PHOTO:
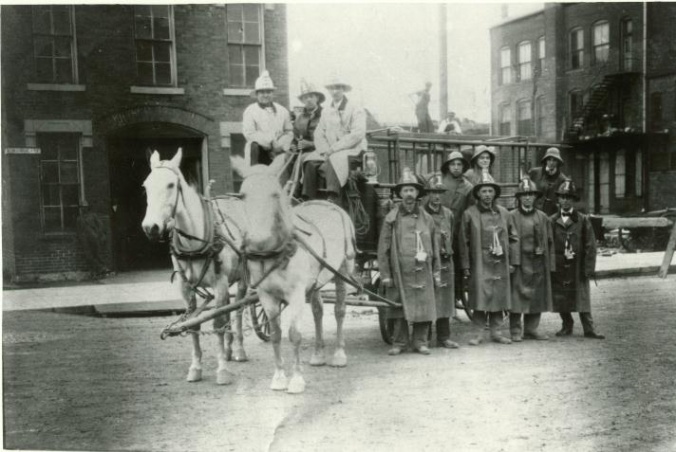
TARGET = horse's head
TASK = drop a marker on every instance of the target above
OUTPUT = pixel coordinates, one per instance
(266, 205)
(162, 187)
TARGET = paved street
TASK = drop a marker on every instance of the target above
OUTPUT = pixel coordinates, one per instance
(92, 383)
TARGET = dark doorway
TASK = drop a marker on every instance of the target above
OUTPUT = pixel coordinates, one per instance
(128, 152)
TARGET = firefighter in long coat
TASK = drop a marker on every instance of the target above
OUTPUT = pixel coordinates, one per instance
(340, 134)
(531, 281)
(266, 125)
(304, 127)
(548, 178)
(481, 163)
(457, 197)
(444, 223)
(408, 259)
(489, 251)
(575, 247)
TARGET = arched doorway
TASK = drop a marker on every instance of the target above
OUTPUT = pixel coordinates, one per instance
(128, 151)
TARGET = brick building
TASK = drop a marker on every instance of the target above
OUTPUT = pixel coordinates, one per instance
(93, 87)
(595, 78)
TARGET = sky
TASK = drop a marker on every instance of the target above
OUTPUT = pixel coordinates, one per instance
(388, 51)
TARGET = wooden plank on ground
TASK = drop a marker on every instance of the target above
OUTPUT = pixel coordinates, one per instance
(644, 222)
(668, 254)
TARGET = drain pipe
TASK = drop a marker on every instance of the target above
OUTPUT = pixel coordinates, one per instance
(644, 104)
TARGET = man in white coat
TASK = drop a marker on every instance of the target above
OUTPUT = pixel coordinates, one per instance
(266, 125)
(340, 134)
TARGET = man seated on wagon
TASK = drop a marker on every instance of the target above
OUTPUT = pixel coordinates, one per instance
(340, 134)
(304, 127)
(266, 125)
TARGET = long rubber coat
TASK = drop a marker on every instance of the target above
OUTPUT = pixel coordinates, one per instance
(570, 284)
(444, 295)
(417, 278)
(548, 185)
(531, 281)
(489, 285)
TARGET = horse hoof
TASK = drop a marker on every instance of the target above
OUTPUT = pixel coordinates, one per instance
(194, 375)
(339, 359)
(223, 377)
(317, 359)
(296, 385)
(279, 382)
(240, 356)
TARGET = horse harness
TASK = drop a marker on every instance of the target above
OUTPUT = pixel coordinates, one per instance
(212, 243)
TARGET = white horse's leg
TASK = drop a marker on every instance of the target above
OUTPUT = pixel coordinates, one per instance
(318, 358)
(296, 302)
(272, 310)
(223, 375)
(339, 356)
(195, 370)
(239, 354)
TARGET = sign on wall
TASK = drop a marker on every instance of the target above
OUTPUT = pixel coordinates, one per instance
(22, 151)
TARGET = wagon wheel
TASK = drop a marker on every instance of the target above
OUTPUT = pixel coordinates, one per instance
(386, 325)
(260, 322)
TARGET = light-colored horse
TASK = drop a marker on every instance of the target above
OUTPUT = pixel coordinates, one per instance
(173, 204)
(283, 270)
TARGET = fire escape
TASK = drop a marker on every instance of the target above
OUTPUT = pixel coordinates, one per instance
(599, 93)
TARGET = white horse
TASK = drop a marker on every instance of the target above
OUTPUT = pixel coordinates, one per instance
(282, 269)
(173, 204)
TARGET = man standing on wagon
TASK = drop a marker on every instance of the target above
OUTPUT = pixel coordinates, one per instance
(531, 281)
(266, 125)
(575, 246)
(340, 134)
(489, 252)
(408, 259)
(444, 222)
(548, 179)
(457, 197)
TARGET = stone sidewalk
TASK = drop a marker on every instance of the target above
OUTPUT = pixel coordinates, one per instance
(150, 291)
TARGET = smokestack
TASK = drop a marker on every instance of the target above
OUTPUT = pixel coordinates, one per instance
(443, 63)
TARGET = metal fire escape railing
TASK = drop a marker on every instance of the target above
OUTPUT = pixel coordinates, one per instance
(600, 92)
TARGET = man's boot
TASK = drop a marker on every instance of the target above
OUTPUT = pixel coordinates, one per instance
(588, 326)
(495, 319)
(567, 324)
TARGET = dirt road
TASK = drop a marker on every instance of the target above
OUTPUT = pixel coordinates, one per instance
(87, 383)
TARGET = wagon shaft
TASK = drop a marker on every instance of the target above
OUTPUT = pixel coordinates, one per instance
(181, 327)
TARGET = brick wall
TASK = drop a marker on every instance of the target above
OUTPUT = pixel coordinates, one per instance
(107, 69)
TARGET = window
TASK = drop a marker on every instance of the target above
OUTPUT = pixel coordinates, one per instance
(505, 119)
(541, 54)
(539, 116)
(54, 44)
(638, 173)
(627, 44)
(656, 111)
(505, 66)
(59, 180)
(604, 182)
(524, 61)
(601, 42)
(591, 182)
(245, 43)
(576, 101)
(155, 50)
(524, 125)
(576, 46)
(620, 174)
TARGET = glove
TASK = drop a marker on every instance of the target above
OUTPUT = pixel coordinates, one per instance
(465, 273)
(512, 268)
(387, 282)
